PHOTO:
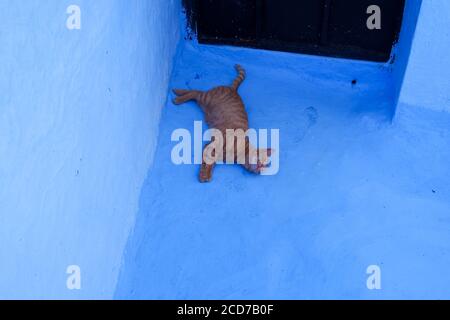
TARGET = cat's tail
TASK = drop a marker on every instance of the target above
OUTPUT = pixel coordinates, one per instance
(240, 78)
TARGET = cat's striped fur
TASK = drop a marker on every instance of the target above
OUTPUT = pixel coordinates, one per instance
(224, 109)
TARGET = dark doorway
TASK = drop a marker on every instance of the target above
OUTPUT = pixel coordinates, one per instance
(335, 28)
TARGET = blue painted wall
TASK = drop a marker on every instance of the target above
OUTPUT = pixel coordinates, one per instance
(79, 115)
(427, 78)
(401, 51)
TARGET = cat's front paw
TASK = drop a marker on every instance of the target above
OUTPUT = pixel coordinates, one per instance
(205, 174)
(204, 179)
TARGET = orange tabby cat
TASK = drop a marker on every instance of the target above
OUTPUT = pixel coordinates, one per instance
(224, 109)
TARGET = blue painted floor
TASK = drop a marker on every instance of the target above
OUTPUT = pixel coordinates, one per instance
(354, 189)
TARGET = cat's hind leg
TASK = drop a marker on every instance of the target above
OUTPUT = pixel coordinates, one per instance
(184, 96)
(181, 92)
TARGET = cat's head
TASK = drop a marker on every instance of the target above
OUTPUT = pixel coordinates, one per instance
(259, 160)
